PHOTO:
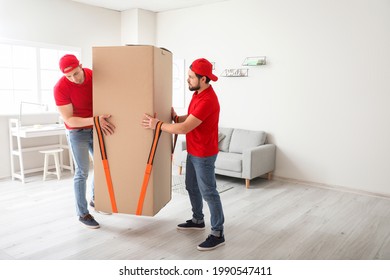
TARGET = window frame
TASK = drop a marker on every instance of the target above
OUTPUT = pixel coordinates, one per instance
(37, 90)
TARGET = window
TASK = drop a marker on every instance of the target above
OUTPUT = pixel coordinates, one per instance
(28, 73)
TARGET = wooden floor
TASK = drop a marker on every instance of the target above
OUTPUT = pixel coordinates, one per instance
(271, 220)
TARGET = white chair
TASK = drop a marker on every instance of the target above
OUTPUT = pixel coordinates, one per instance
(55, 153)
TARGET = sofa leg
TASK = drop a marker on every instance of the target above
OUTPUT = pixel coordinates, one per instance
(180, 169)
(247, 183)
(269, 176)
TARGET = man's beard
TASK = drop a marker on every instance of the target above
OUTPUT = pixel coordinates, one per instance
(194, 88)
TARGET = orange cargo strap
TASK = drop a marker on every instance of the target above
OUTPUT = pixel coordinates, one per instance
(105, 163)
(176, 120)
(148, 169)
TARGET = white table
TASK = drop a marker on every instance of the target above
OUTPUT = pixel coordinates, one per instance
(16, 132)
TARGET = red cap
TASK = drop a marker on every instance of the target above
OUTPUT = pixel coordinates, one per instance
(68, 62)
(203, 67)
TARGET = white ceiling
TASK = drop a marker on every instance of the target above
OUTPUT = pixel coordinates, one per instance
(150, 5)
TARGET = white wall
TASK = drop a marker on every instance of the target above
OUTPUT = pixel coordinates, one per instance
(147, 27)
(325, 93)
(138, 27)
(59, 22)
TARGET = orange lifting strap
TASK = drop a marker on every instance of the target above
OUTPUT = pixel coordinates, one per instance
(176, 120)
(105, 163)
(148, 169)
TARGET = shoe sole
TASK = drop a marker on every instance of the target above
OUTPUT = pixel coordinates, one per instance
(91, 227)
(190, 228)
(210, 248)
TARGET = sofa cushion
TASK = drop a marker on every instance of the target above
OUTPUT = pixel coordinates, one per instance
(221, 136)
(223, 145)
(243, 139)
(229, 161)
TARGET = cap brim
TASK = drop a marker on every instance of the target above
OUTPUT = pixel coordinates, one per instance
(213, 77)
(69, 69)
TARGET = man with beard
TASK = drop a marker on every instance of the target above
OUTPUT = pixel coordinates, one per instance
(200, 126)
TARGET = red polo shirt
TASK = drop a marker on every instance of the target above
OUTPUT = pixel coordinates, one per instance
(203, 140)
(80, 96)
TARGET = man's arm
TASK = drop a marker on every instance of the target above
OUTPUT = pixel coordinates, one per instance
(183, 127)
(66, 112)
(179, 118)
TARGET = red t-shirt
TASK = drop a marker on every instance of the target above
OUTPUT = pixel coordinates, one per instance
(80, 96)
(203, 140)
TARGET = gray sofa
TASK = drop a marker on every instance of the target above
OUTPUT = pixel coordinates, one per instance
(242, 154)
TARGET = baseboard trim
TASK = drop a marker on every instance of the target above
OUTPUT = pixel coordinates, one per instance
(5, 178)
(331, 187)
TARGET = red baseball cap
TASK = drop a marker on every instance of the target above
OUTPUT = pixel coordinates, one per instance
(203, 67)
(68, 62)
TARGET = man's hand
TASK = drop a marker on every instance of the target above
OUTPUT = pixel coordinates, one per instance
(149, 122)
(107, 127)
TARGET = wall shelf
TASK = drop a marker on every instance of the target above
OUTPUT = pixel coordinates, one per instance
(255, 61)
(239, 72)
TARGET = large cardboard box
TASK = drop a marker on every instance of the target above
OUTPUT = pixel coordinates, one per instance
(129, 81)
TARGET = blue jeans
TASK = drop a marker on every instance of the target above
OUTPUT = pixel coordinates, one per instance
(201, 184)
(81, 143)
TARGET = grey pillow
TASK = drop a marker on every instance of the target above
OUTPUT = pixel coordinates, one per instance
(221, 136)
(243, 139)
(223, 145)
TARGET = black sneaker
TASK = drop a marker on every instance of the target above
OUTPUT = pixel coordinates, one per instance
(191, 225)
(89, 221)
(92, 204)
(211, 243)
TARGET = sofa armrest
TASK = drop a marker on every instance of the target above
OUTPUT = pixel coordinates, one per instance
(258, 161)
(177, 153)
